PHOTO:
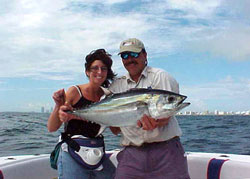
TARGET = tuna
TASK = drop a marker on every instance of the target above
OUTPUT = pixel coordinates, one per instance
(125, 109)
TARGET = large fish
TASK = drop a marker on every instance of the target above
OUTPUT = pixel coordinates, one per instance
(125, 109)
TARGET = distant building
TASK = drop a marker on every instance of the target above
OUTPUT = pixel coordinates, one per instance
(231, 113)
(205, 113)
(42, 109)
(216, 112)
(189, 113)
(238, 113)
(222, 113)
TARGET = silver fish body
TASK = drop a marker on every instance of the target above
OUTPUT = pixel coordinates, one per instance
(125, 109)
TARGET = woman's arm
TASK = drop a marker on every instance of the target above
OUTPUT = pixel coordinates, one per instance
(54, 122)
(64, 102)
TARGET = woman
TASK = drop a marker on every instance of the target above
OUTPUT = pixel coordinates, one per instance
(98, 70)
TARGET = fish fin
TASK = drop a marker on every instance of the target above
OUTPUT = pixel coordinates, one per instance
(136, 89)
(101, 130)
(152, 109)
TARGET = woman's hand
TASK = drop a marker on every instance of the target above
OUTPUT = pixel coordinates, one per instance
(64, 116)
(59, 97)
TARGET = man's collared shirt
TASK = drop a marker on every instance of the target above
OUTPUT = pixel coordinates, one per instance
(150, 78)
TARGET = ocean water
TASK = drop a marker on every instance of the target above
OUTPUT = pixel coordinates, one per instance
(26, 133)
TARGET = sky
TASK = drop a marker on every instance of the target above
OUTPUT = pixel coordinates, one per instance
(203, 44)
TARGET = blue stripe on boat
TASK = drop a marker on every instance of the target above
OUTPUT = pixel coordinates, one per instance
(214, 168)
(1, 175)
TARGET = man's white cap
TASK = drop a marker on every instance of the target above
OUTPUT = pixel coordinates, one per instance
(131, 45)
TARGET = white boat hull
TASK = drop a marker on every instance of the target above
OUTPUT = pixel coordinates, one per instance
(200, 166)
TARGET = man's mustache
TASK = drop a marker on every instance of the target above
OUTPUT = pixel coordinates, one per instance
(133, 62)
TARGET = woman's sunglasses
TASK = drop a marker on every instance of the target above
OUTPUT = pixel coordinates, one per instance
(95, 69)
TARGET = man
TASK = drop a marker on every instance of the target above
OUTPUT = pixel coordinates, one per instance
(154, 150)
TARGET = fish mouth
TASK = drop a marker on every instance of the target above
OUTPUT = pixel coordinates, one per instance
(180, 105)
(181, 101)
(183, 105)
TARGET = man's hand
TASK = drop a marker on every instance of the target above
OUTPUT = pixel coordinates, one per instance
(115, 130)
(163, 121)
(149, 123)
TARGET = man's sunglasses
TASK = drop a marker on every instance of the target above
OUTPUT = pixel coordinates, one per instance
(125, 55)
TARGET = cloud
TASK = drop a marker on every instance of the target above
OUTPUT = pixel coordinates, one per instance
(194, 8)
(230, 43)
(48, 40)
(237, 9)
(220, 95)
(218, 28)
(39, 39)
(54, 37)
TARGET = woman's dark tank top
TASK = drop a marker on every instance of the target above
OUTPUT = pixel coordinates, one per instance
(79, 127)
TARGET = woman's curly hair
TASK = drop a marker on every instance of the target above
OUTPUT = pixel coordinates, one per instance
(105, 57)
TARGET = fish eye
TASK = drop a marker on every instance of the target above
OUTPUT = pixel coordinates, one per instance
(171, 99)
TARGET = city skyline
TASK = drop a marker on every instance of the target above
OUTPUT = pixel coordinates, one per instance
(216, 112)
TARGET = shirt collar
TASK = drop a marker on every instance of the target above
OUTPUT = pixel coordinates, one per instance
(143, 74)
